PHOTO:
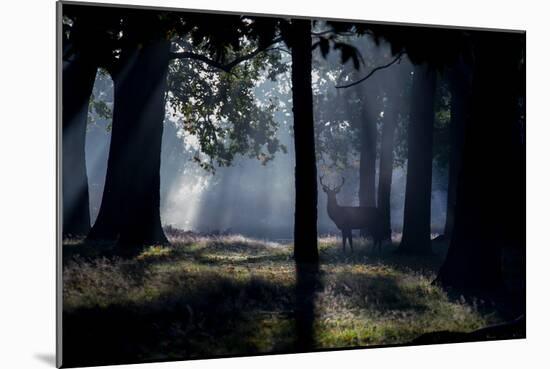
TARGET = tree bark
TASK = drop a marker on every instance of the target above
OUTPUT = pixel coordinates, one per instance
(78, 80)
(130, 205)
(386, 159)
(368, 135)
(490, 204)
(367, 155)
(417, 214)
(305, 215)
(394, 84)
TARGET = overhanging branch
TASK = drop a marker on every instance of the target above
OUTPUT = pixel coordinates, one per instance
(224, 67)
(397, 59)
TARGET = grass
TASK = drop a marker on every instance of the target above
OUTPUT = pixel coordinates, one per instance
(231, 295)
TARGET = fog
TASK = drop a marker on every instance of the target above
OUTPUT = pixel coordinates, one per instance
(249, 197)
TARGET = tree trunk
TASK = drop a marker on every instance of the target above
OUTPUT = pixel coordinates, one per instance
(386, 159)
(367, 156)
(78, 80)
(305, 216)
(417, 214)
(130, 205)
(367, 152)
(459, 85)
(490, 203)
(395, 83)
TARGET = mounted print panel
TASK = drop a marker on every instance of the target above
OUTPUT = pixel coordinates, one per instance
(241, 184)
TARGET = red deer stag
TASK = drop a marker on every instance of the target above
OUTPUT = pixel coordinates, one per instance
(348, 218)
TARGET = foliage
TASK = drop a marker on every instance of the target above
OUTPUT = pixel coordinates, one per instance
(101, 101)
(340, 113)
(221, 111)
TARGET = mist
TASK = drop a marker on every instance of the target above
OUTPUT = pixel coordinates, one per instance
(249, 197)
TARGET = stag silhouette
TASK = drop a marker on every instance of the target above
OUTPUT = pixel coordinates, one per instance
(348, 218)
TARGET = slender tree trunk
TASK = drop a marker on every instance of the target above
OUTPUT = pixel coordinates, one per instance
(305, 216)
(367, 153)
(386, 159)
(458, 81)
(367, 157)
(130, 205)
(78, 80)
(416, 224)
(394, 84)
(490, 206)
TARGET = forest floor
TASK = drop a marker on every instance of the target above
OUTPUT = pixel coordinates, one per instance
(231, 295)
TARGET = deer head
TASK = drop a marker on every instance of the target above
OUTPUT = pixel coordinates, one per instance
(331, 191)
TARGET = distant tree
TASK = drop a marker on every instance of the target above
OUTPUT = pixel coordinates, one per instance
(362, 109)
(371, 110)
(394, 109)
(429, 51)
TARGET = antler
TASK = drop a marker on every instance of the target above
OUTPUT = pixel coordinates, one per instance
(337, 188)
(331, 188)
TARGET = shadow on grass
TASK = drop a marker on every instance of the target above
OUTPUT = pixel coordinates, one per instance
(377, 292)
(219, 317)
(364, 253)
(307, 284)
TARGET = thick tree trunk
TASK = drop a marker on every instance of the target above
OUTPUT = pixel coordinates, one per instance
(130, 205)
(305, 216)
(459, 85)
(78, 80)
(416, 223)
(490, 203)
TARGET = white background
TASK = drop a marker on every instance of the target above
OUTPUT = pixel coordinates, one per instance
(27, 181)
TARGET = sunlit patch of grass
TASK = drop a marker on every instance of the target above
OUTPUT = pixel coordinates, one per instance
(155, 252)
(229, 295)
(379, 305)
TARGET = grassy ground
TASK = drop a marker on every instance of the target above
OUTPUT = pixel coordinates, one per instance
(229, 295)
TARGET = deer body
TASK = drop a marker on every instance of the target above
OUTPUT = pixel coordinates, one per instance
(348, 218)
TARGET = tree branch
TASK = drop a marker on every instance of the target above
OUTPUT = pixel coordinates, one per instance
(397, 59)
(331, 31)
(281, 49)
(224, 67)
(199, 57)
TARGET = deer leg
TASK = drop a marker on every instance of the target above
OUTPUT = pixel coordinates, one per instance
(344, 241)
(350, 240)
